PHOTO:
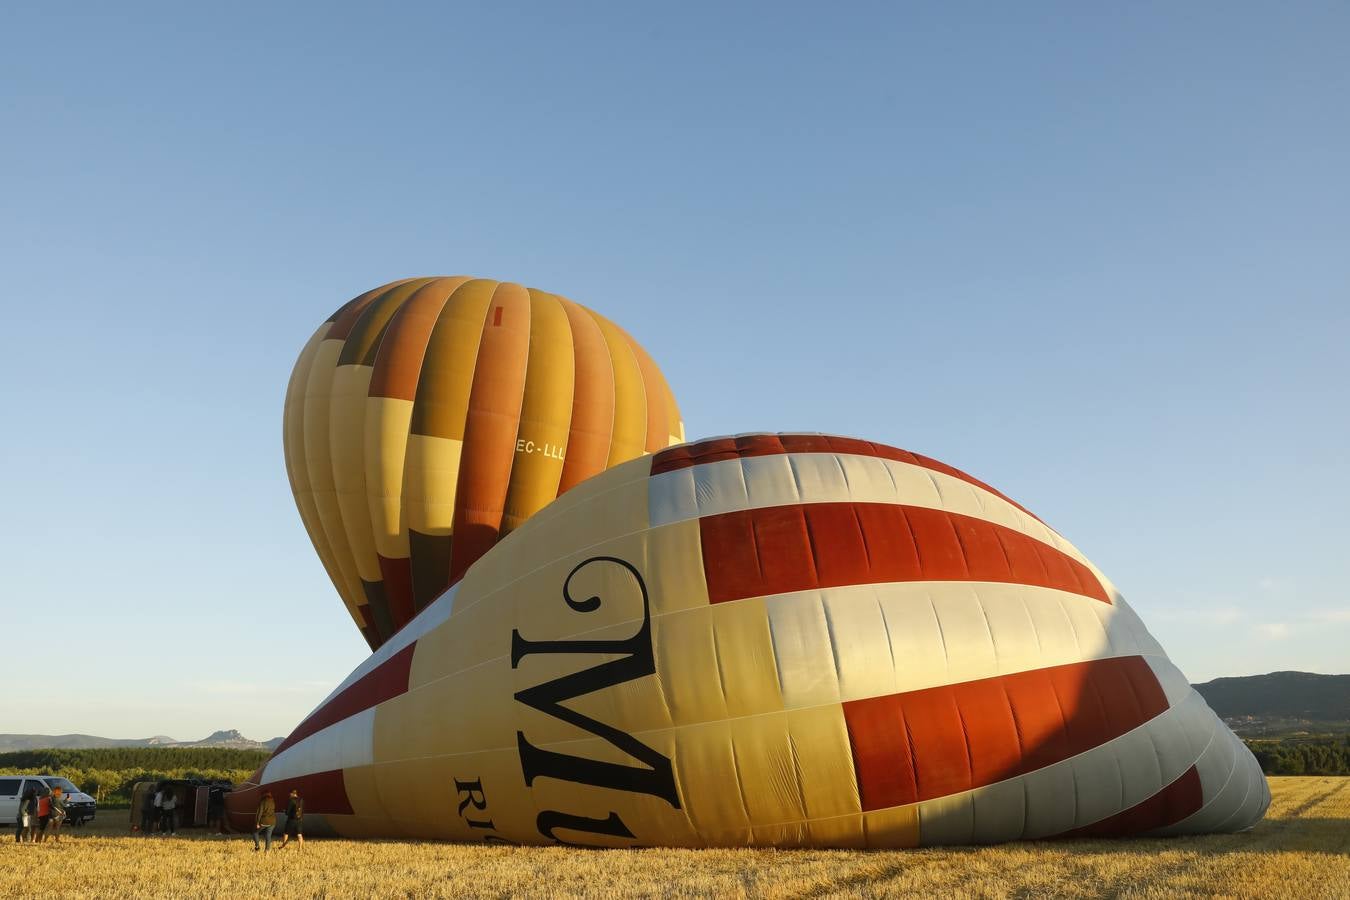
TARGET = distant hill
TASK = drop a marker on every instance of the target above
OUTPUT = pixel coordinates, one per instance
(230, 739)
(1280, 702)
(1252, 705)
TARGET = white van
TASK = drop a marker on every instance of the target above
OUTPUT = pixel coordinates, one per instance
(12, 787)
(80, 806)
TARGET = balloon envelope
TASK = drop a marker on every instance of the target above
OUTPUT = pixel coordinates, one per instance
(431, 416)
(774, 640)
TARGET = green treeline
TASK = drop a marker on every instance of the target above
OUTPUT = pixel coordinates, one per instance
(109, 773)
(1313, 756)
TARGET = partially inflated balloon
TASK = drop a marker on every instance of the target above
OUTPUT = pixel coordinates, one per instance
(778, 640)
(429, 417)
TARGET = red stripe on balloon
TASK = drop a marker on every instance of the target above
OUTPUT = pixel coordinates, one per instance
(1180, 799)
(751, 445)
(780, 549)
(387, 680)
(324, 793)
(396, 573)
(938, 741)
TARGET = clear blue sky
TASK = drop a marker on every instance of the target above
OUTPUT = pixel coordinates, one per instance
(1097, 255)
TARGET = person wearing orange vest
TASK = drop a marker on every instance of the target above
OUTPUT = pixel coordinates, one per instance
(44, 815)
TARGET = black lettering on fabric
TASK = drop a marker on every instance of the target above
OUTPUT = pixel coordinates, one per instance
(550, 820)
(473, 793)
(654, 775)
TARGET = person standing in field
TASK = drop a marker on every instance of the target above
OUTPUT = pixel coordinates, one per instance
(149, 813)
(215, 809)
(58, 814)
(295, 814)
(23, 834)
(158, 823)
(264, 821)
(168, 806)
(44, 816)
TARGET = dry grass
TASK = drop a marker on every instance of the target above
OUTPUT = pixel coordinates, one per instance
(1302, 849)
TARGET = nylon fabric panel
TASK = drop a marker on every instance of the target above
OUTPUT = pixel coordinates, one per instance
(346, 425)
(658, 428)
(748, 446)
(377, 608)
(731, 668)
(402, 348)
(318, 450)
(297, 470)
(1233, 786)
(344, 744)
(1079, 791)
(442, 403)
(940, 741)
(592, 423)
(1173, 803)
(740, 484)
(491, 427)
(435, 443)
(318, 463)
(397, 366)
(387, 427)
(368, 328)
(545, 413)
(431, 479)
(370, 435)
(398, 586)
(659, 393)
(629, 435)
(777, 550)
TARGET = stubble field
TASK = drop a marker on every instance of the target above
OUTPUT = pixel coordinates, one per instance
(1301, 849)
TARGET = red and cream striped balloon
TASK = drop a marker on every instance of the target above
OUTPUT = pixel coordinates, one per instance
(774, 640)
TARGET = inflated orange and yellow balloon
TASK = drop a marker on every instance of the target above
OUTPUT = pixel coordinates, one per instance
(429, 417)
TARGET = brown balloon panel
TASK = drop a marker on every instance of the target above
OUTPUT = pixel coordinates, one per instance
(770, 640)
(430, 417)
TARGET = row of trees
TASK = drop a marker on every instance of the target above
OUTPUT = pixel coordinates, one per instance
(1316, 756)
(110, 774)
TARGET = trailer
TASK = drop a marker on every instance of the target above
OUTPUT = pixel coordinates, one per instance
(198, 803)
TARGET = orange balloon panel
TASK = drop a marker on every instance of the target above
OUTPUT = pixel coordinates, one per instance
(773, 640)
(428, 418)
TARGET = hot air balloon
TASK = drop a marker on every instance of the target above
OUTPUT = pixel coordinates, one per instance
(428, 418)
(771, 640)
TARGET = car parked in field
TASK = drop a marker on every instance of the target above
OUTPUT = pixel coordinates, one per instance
(80, 807)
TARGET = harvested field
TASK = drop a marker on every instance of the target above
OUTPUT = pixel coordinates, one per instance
(1301, 849)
